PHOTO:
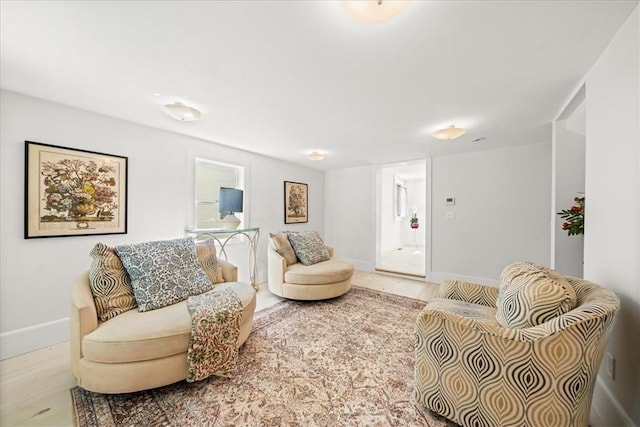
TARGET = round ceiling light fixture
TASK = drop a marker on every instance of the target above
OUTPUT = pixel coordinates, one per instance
(447, 134)
(179, 111)
(373, 11)
(316, 156)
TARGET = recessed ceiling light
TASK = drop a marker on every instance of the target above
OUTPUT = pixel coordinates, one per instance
(373, 11)
(316, 156)
(179, 111)
(452, 132)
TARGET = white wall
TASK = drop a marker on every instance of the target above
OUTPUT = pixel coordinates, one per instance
(391, 236)
(351, 214)
(612, 222)
(502, 211)
(36, 274)
(416, 197)
(502, 208)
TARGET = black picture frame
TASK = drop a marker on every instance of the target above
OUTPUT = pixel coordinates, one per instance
(296, 202)
(73, 192)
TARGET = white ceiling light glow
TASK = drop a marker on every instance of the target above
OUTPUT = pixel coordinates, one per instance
(316, 156)
(179, 111)
(373, 11)
(447, 134)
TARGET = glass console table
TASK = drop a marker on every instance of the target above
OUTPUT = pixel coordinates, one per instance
(222, 236)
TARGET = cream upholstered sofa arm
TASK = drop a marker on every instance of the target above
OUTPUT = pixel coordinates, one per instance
(469, 292)
(330, 250)
(276, 267)
(229, 271)
(83, 303)
(83, 318)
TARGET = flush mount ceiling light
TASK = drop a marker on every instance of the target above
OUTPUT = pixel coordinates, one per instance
(316, 156)
(179, 111)
(447, 134)
(373, 11)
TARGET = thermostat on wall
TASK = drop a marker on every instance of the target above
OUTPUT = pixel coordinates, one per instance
(451, 201)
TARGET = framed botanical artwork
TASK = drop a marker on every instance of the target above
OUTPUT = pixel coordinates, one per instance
(295, 203)
(71, 192)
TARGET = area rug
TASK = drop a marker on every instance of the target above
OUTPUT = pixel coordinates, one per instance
(347, 361)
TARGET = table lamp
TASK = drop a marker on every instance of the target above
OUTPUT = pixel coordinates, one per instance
(230, 202)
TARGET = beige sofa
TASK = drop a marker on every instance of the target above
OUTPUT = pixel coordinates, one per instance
(326, 279)
(139, 350)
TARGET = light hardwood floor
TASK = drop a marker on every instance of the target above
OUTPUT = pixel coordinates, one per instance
(408, 259)
(34, 387)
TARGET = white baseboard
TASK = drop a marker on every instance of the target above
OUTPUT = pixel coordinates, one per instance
(606, 409)
(432, 277)
(20, 341)
(361, 265)
(439, 277)
(262, 276)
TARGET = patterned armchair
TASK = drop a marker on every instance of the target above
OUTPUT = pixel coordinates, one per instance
(513, 356)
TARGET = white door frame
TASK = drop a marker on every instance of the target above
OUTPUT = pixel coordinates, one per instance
(428, 215)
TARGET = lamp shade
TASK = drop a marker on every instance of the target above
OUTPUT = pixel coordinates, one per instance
(452, 132)
(230, 200)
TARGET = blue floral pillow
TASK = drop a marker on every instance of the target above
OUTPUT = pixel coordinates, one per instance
(163, 272)
(309, 247)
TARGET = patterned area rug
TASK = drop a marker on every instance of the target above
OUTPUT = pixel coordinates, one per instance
(342, 362)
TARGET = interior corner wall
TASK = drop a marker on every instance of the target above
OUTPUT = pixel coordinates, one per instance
(36, 275)
(501, 212)
(612, 221)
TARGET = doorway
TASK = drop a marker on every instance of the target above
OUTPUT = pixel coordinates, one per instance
(567, 252)
(402, 219)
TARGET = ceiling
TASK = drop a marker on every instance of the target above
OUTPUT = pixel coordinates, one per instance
(284, 78)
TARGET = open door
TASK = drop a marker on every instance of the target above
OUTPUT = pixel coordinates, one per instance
(568, 182)
(402, 219)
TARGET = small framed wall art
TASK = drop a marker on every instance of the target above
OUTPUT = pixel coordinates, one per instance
(72, 192)
(295, 203)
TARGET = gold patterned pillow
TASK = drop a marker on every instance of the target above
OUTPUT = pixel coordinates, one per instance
(206, 251)
(283, 247)
(110, 284)
(530, 295)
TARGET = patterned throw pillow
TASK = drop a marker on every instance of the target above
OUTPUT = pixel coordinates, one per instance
(283, 247)
(309, 247)
(206, 251)
(530, 295)
(110, 284)
(163, 272)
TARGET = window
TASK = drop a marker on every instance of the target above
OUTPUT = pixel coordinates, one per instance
(209, 177)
